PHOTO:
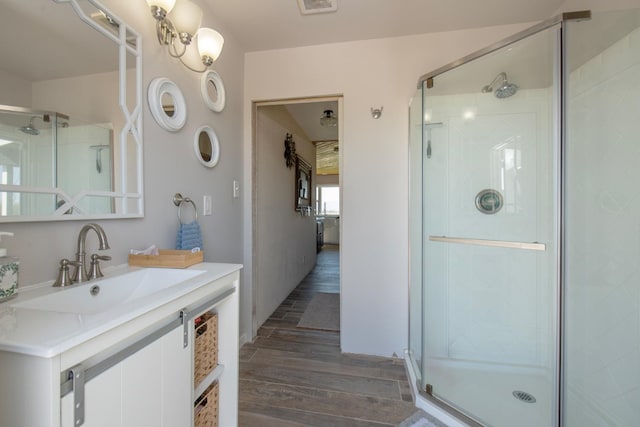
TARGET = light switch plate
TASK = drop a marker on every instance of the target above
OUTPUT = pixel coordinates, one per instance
(206, 205)
(236, 188)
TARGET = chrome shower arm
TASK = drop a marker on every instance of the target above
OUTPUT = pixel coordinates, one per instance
(489, 88)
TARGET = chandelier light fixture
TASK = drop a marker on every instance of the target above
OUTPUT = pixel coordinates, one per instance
(178, 23)
(328, 119)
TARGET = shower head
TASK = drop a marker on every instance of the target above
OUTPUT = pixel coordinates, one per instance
(505, 89)
(30, 129)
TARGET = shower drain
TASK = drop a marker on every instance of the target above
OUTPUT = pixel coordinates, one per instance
(524, 396)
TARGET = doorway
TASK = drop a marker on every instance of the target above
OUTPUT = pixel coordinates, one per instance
(287, 233)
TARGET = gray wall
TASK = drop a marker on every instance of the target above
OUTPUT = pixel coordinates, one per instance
(169, 167)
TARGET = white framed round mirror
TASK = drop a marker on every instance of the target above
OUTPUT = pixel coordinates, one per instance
(212, 90)
(206, 146)
(167, 104)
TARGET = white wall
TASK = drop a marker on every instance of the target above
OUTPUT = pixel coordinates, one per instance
(98, 91)
(374, 162)
(170, 166)
(596, 5)
(286, 241)
(14, 90)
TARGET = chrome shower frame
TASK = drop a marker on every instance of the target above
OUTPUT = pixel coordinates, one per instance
(569, 16)
(426, 81)
(46, 116)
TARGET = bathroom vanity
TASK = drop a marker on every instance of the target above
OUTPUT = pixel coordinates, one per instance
(119, 351)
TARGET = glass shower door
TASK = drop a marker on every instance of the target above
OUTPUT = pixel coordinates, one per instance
(489, 227)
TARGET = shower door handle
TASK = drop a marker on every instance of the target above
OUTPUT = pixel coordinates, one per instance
(533, 246)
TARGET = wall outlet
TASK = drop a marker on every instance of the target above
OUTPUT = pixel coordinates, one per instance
(206, 205)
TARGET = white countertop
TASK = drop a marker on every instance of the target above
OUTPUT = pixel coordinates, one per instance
(48, 333)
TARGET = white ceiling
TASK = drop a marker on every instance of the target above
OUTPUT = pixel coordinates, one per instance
(275, 24)
(307, 115)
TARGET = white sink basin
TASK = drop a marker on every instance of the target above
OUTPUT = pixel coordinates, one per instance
(101, 295)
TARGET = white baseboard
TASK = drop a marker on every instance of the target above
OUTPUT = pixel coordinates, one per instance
(243, 339)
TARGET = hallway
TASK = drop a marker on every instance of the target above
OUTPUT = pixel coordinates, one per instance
(291, 376)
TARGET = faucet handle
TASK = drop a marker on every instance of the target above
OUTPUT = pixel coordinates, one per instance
(95, 271)
(64, 278)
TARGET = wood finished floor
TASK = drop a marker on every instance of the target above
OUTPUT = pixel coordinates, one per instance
(292, 376)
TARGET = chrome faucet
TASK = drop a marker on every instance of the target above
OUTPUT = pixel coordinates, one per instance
(80, 275)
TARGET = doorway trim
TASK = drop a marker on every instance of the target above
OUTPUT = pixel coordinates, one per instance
(254, 195)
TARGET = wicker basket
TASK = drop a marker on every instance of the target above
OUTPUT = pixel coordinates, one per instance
(206, 408)
(206, 347)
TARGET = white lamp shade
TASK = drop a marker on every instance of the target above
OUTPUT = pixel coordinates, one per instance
(210, 43)
(166, 5)
(186, 16)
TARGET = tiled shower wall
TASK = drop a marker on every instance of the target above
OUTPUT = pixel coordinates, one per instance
(603, 238)
(490, 304)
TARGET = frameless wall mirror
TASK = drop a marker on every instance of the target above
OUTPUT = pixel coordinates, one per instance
(70, 113)
(206, 146)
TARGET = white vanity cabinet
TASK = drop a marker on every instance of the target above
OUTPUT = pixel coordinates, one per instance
(137, 374)
(150, 388)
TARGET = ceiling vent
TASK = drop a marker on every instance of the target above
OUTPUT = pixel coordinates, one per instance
(308, 7)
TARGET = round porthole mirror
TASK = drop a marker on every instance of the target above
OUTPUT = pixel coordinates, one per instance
(206, 146)
(167, 104)
(212, 90)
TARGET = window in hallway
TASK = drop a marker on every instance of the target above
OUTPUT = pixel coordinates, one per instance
(328, 200)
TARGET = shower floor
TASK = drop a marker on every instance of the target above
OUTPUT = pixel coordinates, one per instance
(485, 391)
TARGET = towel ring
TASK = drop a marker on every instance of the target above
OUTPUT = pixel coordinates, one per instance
(178, 200)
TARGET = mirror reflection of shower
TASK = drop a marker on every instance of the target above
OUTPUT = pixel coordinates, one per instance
(45, 150)
(99, 149)
(31, 129)
(504, 90)
(427, 130)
